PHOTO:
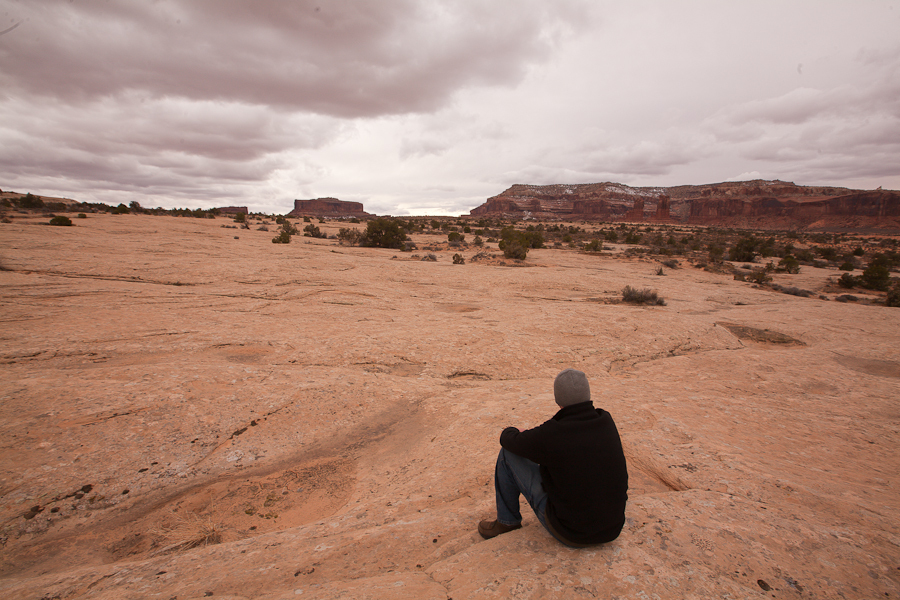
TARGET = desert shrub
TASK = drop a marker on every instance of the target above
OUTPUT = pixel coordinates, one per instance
(827, 252)
(313, 231)
(744, 250)
(876, 276)
(643, 296)
(738, 276)
(383, 233)
(478, 241)
(858, 251)
(455, 237)
(515, 244)
(660, 271)
(282, 238)
(633, 237)
(81, 216)
(533, 239)
(611, 236)
(847, 281)
(893, 296)
(767, 247)
(593, 246)
(513, 249)
(349, 236)
(847, 298)
(307, 220)
(671, 263)
(458, 259)
(847, 266)
(716, 253)
(804, 255)
(61, 221)
(121, 209)
(262, 228)
(759, 276)
(429, 258)
(789, 264)
(29, 202)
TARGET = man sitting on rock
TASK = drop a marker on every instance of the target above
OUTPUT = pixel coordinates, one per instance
(570, 469)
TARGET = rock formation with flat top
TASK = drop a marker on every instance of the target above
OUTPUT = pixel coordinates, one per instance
(327, 207)
(233, 210)
(748, 204)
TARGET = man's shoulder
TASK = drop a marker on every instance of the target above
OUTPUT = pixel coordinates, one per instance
(581, 411)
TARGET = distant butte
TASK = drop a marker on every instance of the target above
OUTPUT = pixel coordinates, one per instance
(755, 204)
(233, 210)
(327, 207)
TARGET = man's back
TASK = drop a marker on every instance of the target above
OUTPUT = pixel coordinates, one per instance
(583, 471)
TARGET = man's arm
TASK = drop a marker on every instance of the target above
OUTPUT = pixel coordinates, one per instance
(528, 443)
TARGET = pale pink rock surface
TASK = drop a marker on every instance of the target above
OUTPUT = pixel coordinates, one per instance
(329, 415)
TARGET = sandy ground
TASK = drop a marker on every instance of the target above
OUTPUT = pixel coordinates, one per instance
(192, 411)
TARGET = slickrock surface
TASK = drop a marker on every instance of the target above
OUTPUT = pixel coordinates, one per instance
(327, 418)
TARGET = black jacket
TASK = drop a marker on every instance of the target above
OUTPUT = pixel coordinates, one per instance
(582, 469)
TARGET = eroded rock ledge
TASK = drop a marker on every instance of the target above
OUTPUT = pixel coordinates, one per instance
(754, 204)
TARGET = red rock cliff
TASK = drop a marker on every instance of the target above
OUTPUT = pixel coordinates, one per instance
(751, 204)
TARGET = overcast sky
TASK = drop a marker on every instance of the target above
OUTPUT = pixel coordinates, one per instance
(430, 107)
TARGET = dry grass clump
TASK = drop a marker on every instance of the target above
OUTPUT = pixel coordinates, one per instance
(186, 533)
(793, 291)
(644, 296)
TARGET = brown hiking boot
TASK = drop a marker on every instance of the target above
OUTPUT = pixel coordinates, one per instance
(490, 529)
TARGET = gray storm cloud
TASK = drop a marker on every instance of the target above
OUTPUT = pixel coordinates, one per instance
(415, 105)
(341, 58)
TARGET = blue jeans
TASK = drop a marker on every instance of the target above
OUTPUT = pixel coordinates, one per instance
(513, 476)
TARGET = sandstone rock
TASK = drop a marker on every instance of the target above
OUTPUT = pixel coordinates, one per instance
(233, 210)
(663, 214)
(327, 207)
(636, 214)
(316, 421)
(749, 204)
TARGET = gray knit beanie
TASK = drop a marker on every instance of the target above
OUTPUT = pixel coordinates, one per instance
(571, 387)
